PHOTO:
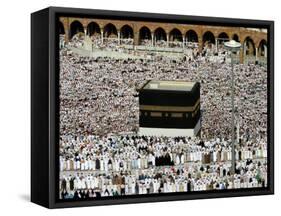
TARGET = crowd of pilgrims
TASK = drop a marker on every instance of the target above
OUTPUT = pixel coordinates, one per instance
(112, 42)
(115, 153)
(99, 106)
(166, 179)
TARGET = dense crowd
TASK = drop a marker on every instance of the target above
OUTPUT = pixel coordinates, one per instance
(115, 153)
(99, 104)
(164, 179)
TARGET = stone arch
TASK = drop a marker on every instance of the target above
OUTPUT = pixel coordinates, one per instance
(249, 47)
(222, 37)
(262, 49)
(208, 38)
(175, 35)
(127, 32)
(175, 38)
(93, 28)
(160, 37)
(191, 36)
(144, 36)
(160, 34)
(110, 31)
(235, 37)
(75, 28)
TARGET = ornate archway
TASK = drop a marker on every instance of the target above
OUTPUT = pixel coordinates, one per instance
(93, 29)
(262, 48)
(110, 31)
(160, 37)
(208, 38)
(175, 38)
(235, 37)
(222, 37)
(127, 35)
(191, 36)
(144, 36)
(76, 28)
(249, 47)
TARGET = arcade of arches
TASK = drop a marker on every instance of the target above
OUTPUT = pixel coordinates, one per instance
(254, 41)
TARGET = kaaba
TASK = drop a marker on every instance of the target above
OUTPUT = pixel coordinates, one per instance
(169, 108)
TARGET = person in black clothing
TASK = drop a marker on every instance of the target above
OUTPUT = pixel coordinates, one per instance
(224, 172)
(82, 194)
(71, 183)
(97, 164)
(64, 194)
(98, 194)
(188, 185)
(76, 195)
(86, 194)
(63, 184)
(122, 191)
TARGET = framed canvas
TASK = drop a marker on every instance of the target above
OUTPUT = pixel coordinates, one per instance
(139, 107)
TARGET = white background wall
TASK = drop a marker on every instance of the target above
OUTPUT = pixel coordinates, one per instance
(15, 106)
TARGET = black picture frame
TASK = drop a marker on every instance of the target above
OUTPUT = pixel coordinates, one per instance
(45, 105)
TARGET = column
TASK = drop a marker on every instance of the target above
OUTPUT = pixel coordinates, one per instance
(136, 37)
(66, 35)
(67, 31)
(152, 38)
(257, 50)
(85, 31)
(216, 44)
(200, 44)
(183, 41)
(265, 51)
(118, 33)
(69, 34)
(244, 53)
(101, 34)
(167, 37)
(241, 55)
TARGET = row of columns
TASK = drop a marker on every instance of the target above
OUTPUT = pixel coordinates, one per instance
(242, 52)
(119, 34)
(67, 35)
(153, 40)
(136, 36)
(257, 56)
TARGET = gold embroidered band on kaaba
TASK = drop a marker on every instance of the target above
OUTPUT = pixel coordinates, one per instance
(170, 108)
